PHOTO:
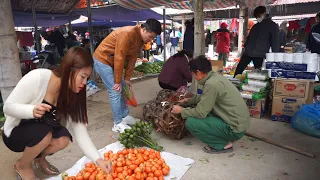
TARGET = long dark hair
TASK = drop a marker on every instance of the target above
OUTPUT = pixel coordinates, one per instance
(70, 103)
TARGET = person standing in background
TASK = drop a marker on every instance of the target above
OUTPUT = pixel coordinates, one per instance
(283, 35)
(313, 44)
(159, 44)
(188, 40)
(146, 49)
(223, 43)
(55, 37)
(208, 37)
(263, 35)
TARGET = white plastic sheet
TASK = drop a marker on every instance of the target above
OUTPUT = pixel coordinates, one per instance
(178, 165)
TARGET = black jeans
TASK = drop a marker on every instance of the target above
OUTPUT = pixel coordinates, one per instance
(157, 49)
(146, 54)
(245, 60)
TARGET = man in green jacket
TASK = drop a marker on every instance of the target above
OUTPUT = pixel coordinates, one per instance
(220, 116)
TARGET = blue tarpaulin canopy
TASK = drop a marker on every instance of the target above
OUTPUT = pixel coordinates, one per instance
(106, 24)
(24, 19)
(118, 13)
(114, 13)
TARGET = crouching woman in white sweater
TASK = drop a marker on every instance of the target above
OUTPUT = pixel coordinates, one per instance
(39, 108)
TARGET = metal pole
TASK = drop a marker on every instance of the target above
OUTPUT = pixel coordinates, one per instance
(90, 34)
(36, 34)
(183, 26)
(70, 27)
(164, 34)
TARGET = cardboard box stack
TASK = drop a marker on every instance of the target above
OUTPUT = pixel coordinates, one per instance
(293, 65)
(254, 90)
(288, 96)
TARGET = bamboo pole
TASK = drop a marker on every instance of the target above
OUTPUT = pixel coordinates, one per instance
(280, 145)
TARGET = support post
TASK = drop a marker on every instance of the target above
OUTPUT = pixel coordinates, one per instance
(70, 26)
(183, 26)
(243, 28)
(164, 35)
(10, 71)
(91, 35)
(199, 46)
(36, 33)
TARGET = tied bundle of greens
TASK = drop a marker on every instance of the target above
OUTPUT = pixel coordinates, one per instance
(138, 136)
(129, 97)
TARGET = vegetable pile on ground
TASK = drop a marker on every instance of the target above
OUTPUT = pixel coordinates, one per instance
(137, 74)
(150, 68)
(128, 164)
(138, 136)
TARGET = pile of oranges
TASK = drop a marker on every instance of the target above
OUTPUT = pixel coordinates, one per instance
(128, 164)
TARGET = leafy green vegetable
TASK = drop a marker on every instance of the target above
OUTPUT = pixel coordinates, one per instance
(150, 68)
(138, 136)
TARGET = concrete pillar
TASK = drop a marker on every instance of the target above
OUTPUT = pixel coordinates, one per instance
(10, 72)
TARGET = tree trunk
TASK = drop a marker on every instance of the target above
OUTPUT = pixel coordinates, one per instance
(199, 46)
(10, 72)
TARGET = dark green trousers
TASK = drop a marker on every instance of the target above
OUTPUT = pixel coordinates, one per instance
(213, 131)
(224, 57)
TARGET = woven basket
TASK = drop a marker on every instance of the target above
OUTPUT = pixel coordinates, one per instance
(160, 115)
(171, 124)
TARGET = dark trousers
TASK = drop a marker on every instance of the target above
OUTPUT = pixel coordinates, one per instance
(157, 49)
(146, 54)
(167, 86)
(245, 60)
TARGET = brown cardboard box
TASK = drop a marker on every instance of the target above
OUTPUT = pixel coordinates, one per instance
(292, 88)
(256, 107)
(283, 109)
(216, 65)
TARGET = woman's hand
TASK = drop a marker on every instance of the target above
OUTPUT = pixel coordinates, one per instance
(40, 109)
(106, 166)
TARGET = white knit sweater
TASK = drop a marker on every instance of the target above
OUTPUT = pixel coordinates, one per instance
(30, 92)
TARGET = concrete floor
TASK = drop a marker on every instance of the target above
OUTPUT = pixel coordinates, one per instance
(251, 159)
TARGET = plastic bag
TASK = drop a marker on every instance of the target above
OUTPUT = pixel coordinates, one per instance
(129, 96)
(183, 89)
(307, 119)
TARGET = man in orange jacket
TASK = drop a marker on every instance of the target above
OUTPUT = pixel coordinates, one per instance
(117, 52)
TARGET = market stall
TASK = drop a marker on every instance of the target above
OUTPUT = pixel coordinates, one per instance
(287, 81)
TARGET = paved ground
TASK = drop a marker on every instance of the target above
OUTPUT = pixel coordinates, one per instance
(251, 160)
